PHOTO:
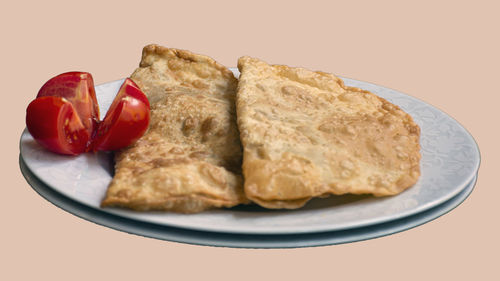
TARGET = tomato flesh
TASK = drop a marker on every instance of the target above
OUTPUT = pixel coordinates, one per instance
(78, 89)
(126, 120)
(54, 123)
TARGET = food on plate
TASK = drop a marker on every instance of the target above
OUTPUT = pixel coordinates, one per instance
(64, 118)
(54, 124)
(189, 136)
(189, 160)
(126, 120)
(305, 134)
(78, 89)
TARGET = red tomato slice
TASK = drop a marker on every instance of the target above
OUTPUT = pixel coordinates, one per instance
(55, 125)
(129, 88)
(126, 120)
(78, 89)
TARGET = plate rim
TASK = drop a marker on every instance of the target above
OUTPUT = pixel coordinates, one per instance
(250, 241)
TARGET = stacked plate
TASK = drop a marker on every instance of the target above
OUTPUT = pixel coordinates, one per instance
(449, 165)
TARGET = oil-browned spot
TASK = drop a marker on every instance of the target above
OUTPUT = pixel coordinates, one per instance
(174, 64)
(293, 90)
(162, 162)
(189, 125)
(199, 154)
(208, 125)
(200, 84)
(124, 193)
(176, 150)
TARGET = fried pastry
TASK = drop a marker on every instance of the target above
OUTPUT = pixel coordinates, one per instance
(305, 134)
(189, 160)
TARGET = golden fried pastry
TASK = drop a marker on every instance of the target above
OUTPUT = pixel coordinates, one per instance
(305, 134)
(189, 160)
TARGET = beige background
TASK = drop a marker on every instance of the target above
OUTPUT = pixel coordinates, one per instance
(445, 54)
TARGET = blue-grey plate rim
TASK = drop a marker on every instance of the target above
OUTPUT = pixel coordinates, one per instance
(194, 237)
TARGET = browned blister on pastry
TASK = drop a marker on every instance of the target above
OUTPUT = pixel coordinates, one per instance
(189, 160)
(305, 134)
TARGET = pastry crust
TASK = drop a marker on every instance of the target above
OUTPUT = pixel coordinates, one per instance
(305, 134)
(189, 160)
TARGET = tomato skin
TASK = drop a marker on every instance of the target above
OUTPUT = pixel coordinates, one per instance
(78, 89)
(131, 89)
(126, 120)
(126, 124)
(54, 124)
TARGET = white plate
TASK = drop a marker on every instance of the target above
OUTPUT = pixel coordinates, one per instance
(243, 240)
(450, 160)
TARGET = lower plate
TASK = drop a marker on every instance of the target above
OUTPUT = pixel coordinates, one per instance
(240, 240)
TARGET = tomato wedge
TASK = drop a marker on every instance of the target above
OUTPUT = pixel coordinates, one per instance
(126, 120)
(131, 89)
(78, 89)
(54, 123)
